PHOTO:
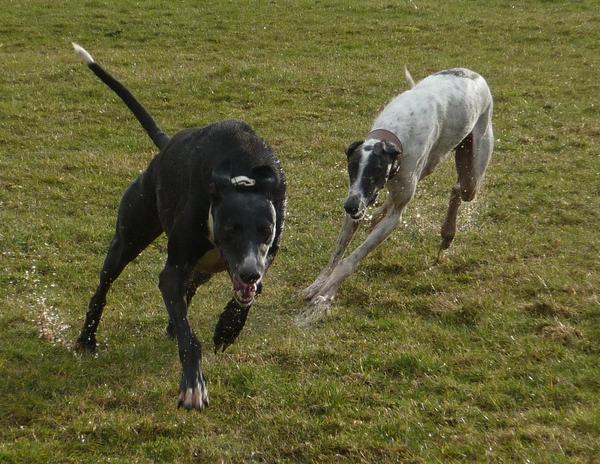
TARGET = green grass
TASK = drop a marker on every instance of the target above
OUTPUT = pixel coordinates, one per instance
(492, 356)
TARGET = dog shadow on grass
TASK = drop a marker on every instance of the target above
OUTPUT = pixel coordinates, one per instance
(383, 287)
(44, 377)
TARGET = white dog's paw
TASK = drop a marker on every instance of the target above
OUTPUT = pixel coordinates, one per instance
(322, 300)
(319, 308)
(309, 292)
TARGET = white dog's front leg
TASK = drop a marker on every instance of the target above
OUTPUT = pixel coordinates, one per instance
(348, 265)
(380, 213)
(346, 233)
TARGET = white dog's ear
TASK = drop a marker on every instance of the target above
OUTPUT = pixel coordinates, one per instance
(394, 154)
(392, 150)
(353, 147)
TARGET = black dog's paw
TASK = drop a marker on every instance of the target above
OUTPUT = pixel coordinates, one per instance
(193, 393)
(231, 322)
(86, 343)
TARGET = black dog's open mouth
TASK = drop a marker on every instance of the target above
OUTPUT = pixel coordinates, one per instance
(244, 293)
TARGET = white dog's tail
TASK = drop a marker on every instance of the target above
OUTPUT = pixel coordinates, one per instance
(408, 77)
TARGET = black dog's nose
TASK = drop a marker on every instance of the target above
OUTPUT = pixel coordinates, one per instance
(249, 277)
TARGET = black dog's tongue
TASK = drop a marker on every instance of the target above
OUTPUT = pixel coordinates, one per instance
(244, 293)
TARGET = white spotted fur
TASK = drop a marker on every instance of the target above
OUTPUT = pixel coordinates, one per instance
(432, 118)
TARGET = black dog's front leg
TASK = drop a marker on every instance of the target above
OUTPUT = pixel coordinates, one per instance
(193, 393)
(231, 322)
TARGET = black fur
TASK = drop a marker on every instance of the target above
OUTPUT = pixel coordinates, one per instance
(231, 322)
(192, 172)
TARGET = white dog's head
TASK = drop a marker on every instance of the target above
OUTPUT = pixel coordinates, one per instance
(370, 164)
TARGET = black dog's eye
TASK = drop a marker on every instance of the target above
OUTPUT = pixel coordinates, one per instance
(264, 232)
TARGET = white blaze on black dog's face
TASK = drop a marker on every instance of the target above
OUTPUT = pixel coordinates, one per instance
(370, 165)
(243, 226)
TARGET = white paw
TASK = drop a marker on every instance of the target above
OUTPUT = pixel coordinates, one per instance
(319, 308)
(313, 289)
(323, 300)
(196, 397)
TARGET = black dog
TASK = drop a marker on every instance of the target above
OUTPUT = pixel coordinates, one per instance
(219, 194)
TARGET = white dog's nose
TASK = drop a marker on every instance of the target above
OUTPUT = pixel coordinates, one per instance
(352, 205)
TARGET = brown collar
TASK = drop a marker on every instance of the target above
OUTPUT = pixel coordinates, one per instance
(385, 136)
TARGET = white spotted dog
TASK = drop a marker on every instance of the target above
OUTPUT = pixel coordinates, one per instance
(449, 110)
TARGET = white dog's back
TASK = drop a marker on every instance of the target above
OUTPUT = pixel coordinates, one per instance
(436, 114)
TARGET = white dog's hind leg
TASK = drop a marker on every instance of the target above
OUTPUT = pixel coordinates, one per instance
(346, 233)
(449, 226)
(473, 156)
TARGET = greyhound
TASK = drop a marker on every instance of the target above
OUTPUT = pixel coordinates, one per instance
(219, 194)
(449, 110)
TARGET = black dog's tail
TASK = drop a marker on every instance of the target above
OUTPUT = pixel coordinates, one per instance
(159, 138)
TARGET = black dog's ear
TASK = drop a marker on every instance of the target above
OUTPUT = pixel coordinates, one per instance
(266, 179)
(352, 147)
(220, 180)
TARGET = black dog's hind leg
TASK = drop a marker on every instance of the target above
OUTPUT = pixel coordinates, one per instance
(137, 227)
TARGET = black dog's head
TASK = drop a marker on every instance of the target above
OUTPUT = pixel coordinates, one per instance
(242, 224)
(370, 165)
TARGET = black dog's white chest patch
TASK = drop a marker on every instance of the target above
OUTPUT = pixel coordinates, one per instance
(211, 262)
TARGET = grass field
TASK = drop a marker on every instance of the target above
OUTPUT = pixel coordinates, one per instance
(492, 356)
